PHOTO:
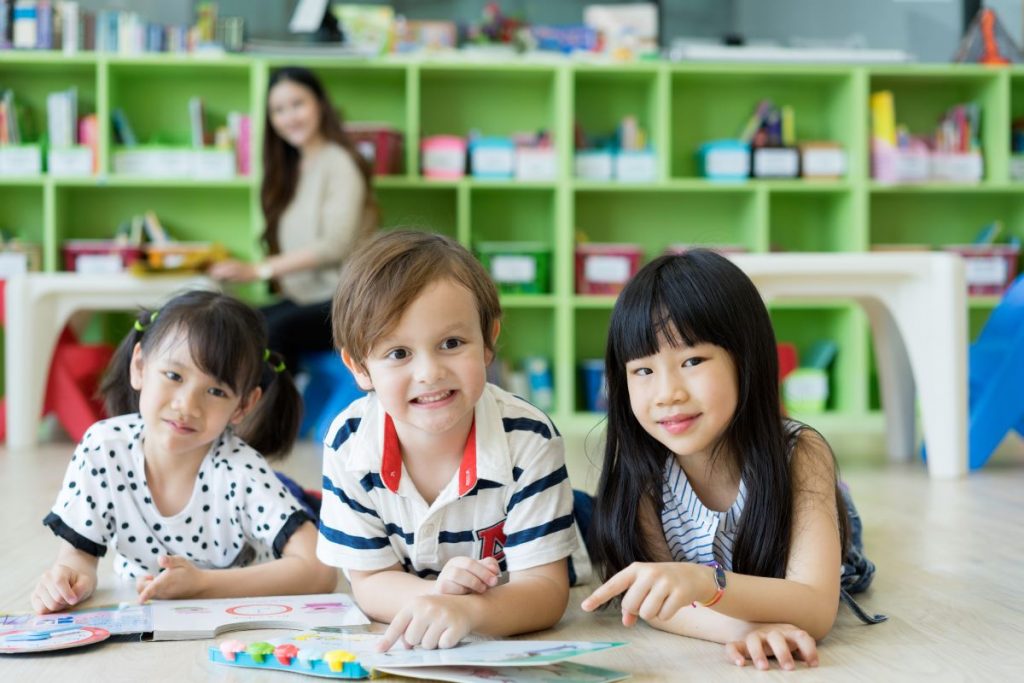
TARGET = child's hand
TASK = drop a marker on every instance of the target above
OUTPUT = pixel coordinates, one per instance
(179, 579)
(463, 575)
(430, 621)
(778, 640)
(653, 590)
(61, 587)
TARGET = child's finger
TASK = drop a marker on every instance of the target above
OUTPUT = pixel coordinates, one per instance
(805, 646)
(64, 589)
(491, 564)
(755, 650)
(396, 629)
(150, 591)
(736, 652)
(780, 648)
(609, 589)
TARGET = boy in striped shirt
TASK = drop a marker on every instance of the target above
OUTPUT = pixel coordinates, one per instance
(446, 499)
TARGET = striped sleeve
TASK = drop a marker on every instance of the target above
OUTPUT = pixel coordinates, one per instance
(352, 533)
(539, 528)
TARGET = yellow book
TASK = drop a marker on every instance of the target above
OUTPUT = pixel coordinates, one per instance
(788, 126)
(883, 117)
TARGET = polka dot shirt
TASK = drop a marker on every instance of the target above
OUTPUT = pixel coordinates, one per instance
(239, 513)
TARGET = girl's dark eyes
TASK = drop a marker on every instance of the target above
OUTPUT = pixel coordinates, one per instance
(642, 372)
(220, 393)
(451, 343)
(171, 375)
(691, 362)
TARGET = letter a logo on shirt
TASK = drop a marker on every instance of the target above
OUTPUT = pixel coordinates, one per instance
(492, 541)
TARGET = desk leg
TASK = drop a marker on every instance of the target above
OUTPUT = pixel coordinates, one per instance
(936, 337)
(896, 381)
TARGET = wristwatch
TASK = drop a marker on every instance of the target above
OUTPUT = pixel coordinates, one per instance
(264, 270)
(719, 586)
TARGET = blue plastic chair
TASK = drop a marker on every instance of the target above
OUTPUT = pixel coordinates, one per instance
(995, 375)
(330, 390)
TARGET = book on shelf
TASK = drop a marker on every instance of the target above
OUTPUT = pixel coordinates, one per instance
(123, 129)
(62, 118)
(197, 122)
(23, 24)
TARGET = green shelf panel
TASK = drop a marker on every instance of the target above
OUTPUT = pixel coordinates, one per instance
(590, 334)
(428, 208)
(922, 96)
(819, 221)
(188, 215)
(526, 332)
(21, 211)
(154, 96)
(32, 81)
(364, 94)
(656, 220)
(950, 217)
(716, 105)
(804, 325)
(490, 101)
(603, 97)
(500, 215)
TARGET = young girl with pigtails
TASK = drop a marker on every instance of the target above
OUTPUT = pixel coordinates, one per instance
(176, 485)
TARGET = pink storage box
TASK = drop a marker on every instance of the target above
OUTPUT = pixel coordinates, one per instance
(990, 267)
(605, 268)
(897, 165)
(99, 256)
(444, 156)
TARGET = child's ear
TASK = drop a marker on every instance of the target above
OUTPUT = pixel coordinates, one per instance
(246, 405)
(495, 331)
(357, 370)
(135, 367)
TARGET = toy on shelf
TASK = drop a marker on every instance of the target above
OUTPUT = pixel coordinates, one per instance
(806, 389)
(353, 655)
(987, 42)
(625, 155)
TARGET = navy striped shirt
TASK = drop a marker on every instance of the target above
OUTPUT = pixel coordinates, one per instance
(510, 497)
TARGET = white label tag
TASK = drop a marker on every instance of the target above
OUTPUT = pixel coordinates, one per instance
(606, 270)
(12, 263)
(513, 268)
(985, 270)
(99, 263)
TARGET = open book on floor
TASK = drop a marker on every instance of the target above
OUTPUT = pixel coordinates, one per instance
(353, 655)
(198, 619)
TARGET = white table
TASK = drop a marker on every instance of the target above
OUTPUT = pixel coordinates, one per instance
(38, 306)
(917, 306)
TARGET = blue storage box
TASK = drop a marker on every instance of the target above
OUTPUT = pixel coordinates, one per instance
(724, 160)
(492, 157)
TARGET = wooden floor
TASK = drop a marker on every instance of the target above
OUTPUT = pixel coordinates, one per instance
(950, 577)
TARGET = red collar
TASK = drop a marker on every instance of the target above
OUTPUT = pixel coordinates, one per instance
(391, 460)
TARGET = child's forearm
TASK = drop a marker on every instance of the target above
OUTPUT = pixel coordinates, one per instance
(381, 595)
(532, 600)
(705, 624)
(764, 600)
(286, 576)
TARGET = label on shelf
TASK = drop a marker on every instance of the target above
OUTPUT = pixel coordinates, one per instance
(17, 160)
(635, 167)
(536, 163)
(985, 270)
(99, 263)
(70, 162)
(607, 269)
(776, 162)
(12, 263)
(513, 268)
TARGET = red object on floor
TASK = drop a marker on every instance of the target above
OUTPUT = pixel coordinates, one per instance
(72, 384)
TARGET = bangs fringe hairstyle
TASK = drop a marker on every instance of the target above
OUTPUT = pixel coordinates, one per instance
(693, 298)
(385, 275)
(281, 160)
(227, 340)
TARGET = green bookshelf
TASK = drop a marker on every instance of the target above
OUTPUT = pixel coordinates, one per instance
(679, 106)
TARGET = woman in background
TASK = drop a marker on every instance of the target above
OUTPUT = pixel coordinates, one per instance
(317, 199)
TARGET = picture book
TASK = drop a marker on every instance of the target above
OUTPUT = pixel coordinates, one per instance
(197, 619)
(353, 655)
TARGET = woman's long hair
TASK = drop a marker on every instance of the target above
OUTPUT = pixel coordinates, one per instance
(281, 160)
(692, 298)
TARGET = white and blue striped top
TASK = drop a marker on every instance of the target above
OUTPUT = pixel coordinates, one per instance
(695, 533)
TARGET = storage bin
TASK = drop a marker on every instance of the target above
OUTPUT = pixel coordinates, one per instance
(594, 164)
(775, 162)
(213, 164)
(155, 162)
(69, 162)
(956, 168)
(17, 257)
(605, 268)
(99, 256)
(724, 160)
(822, 160)
(636, 167)
(492, 158)
(517, 267)
(595, 388)
(897, 165)
(536, 163)
(21, 160)
(444, 157)
(379, 144)
(990, 268)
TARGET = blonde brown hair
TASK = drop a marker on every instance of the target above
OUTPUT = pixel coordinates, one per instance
(382, 277)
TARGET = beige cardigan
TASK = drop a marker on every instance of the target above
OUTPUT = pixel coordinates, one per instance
(327, 215)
